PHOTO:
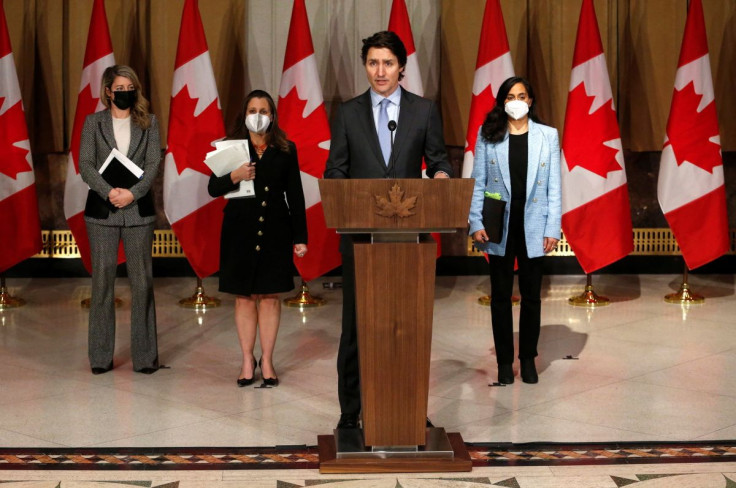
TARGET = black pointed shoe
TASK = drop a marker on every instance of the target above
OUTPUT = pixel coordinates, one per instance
(248, 381)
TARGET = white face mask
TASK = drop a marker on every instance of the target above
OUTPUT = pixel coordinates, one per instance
(517, 109)
(257, 123)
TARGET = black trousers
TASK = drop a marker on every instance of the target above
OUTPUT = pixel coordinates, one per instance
(348, 370)
(530, 287)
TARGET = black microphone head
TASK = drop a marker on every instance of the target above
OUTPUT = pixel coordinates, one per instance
(392, 125)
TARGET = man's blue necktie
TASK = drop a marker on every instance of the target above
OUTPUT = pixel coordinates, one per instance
(384, 135)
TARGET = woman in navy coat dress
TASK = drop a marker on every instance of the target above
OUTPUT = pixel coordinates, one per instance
(261, 235)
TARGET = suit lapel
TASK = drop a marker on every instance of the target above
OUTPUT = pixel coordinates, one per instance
(135, 138)
(406, 114)
(534, 157)
(106, 130)
(502, 156)
(365, 116)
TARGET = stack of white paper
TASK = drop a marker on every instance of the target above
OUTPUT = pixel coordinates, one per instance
(228, 156)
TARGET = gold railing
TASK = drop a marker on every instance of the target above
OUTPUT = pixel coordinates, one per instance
(61, 244)
(647, 242)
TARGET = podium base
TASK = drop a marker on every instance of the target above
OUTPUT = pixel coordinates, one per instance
(442, 453)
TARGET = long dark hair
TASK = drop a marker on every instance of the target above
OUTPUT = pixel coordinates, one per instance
(495, 126)
(275, 136)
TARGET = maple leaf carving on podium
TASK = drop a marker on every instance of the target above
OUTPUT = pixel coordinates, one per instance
(395, 205)
(689, 131)
(190, 138)
(13, 130)
(586, 134)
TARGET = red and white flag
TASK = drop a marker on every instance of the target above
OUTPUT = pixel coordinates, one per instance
(596, 217)
(97, 57)
(691, 188)
(18, 204)
(492, 67)
(303, 117)
(195, 123)
(399, 23)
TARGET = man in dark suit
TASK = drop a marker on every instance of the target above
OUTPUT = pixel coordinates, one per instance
(361, 148)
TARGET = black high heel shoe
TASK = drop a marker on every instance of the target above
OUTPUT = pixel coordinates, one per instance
(268, 381)
(248, 381)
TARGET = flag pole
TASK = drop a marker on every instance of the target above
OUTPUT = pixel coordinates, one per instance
(684, 295)
(199, 300)
(304, 299)
(6, 300)
(589, 298)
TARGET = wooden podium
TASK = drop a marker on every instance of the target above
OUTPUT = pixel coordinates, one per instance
(394, 288)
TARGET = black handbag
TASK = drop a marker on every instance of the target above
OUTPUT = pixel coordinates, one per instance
(493, 211)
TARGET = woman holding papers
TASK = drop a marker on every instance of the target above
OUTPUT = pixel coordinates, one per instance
(515, 214)
(262, 233)
(121, 208)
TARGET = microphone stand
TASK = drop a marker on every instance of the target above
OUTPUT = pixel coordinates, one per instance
(392, 128)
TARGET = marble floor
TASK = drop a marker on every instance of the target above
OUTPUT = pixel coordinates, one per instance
(637, 370)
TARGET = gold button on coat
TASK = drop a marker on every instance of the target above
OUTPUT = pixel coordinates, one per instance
(266, 188)
(260, 232)
(263, 203)
(260, 219)
(258, 248)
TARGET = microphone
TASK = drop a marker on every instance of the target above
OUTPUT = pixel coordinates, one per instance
(392, 128)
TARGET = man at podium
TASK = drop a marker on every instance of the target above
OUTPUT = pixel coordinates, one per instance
(383, 133)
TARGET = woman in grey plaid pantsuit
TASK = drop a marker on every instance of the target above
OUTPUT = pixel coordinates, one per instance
(115, 214)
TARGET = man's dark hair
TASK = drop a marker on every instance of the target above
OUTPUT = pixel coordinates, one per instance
(389, 40)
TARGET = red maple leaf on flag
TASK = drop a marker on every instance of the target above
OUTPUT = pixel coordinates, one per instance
(585, 134)
(306, 133)
(190, 137)
(86, 104)
(13, 158)
(689, 131)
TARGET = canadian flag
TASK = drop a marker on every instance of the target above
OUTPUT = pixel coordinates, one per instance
(398, 22)
(596, 217)
(18, 204)
(303, 117)
(691, 188)
(195, 122)
(492, 67)
(97, 57)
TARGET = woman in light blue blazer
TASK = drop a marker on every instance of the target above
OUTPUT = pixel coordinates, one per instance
(517, 161)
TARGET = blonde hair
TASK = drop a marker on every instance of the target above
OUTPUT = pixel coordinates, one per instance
(138, 112)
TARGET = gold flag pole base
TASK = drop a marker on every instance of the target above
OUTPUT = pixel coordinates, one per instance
(589, 298)
(199, 300)
(304, 299)
(88, 301)
(485, 300)
(6, 300)
(684, 295)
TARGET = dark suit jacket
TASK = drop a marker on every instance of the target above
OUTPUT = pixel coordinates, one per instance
(356, 153)
(97, 141)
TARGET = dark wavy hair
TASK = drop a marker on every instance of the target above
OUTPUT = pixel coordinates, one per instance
(389, 40)
(495, 126)
(275, 136)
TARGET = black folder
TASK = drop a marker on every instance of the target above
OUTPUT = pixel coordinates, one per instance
(493, 218)
(119, 176)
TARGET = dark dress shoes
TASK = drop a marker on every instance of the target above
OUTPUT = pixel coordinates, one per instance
(348, 421)
(147, 370)
(102, 370)
(248, 381)
(529, 371)
(505, 374)
(270, 382)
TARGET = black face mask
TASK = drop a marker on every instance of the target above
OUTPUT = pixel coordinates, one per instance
(124, 99)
